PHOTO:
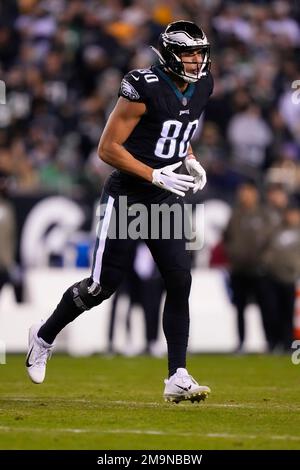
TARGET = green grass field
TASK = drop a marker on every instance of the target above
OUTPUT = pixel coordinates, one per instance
(116, 403)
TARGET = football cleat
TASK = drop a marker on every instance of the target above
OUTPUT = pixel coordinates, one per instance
(181, 386)
(38, 353)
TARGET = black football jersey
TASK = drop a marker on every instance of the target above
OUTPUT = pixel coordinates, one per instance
(163, 134)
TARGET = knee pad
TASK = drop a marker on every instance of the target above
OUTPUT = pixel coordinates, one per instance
(87, 294)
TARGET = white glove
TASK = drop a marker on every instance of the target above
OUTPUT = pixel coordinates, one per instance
(197, 171)
(166, 178)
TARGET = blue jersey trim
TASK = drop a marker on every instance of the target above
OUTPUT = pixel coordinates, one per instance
(188, 92)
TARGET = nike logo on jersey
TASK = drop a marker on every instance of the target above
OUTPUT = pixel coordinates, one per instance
(186, 389)
(27, 359)
(133, 76)
(184, 111)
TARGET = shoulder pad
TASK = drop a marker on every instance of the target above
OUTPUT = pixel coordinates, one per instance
(135, 84)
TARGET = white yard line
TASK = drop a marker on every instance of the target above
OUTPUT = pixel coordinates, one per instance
(150, 432)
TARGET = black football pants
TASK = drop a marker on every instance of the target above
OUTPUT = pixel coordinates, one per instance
(112, 255)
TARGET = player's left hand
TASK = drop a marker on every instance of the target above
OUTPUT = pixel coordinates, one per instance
(197, 171)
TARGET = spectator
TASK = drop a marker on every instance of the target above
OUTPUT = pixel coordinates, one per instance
(245, 238)
(282, 260)
(276, 199)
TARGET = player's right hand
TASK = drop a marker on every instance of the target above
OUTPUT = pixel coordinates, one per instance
(167, 179)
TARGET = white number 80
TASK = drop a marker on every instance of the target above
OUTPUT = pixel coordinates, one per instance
(167, 144)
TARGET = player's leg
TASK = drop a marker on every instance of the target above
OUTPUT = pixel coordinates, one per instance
(152, 290)
(111, 257)
(4, 277)
(240, 286)
(174, 261)
(174, 265)
(110, 260)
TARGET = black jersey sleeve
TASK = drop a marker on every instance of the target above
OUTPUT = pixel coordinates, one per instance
(134, 87)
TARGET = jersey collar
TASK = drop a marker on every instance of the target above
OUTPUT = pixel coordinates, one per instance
(183, 97)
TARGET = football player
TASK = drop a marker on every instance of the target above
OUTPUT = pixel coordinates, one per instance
(146, 139)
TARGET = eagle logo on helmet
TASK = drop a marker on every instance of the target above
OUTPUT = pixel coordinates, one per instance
(182, 38)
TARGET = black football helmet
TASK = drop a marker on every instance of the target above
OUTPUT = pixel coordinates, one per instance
(183, 36)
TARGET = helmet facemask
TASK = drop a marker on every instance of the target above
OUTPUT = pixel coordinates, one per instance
(181, 65)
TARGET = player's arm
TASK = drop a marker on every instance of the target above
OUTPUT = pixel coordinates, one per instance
(190, 151)
(123, 119)
(120, 125)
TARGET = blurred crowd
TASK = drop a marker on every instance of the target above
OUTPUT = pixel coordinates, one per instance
(261, 251)
(62, 62)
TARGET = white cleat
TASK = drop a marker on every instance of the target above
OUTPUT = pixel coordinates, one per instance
(181, 386)
(38, 353)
